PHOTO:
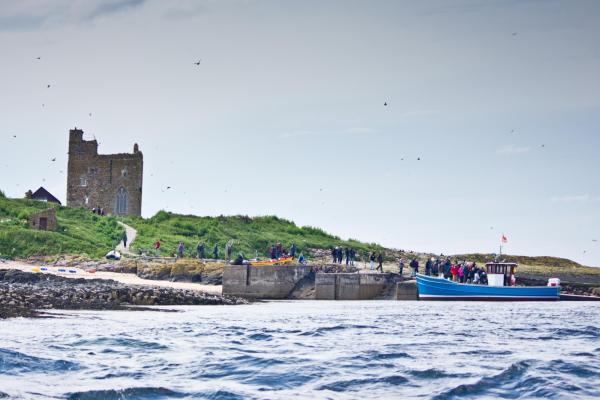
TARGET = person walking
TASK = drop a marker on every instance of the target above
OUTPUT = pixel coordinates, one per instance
(200, 250)
(352, 255)
(347, 251)
(380, 263)
(401, 266)
(372, 260)
(228, 249)
(292, 250)
(157, 246)
(180, 250)
(124, 239)
(216, 252)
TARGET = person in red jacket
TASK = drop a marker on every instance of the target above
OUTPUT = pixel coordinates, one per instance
(157, 245)
(454, 272)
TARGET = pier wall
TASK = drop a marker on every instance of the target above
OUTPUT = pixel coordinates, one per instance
(264, 282)
(349, 286)
(407, 290)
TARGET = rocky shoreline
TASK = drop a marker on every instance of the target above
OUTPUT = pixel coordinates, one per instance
(28, 294)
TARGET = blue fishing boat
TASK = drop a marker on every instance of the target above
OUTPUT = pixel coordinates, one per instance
(500, 277)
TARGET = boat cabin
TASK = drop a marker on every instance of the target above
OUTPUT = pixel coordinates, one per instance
(500, 273)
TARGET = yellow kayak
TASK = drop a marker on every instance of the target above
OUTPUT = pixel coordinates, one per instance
(280, 260)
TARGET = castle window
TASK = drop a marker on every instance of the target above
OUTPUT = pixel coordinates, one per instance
(121, 203)
(124, 172)
(83, 181)
(87, 200)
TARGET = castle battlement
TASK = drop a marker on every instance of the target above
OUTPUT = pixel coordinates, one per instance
(112, 182)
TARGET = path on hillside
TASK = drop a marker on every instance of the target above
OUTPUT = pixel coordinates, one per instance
(131, 234)
(125, 278)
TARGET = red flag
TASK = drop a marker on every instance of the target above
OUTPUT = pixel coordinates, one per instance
(504, 239)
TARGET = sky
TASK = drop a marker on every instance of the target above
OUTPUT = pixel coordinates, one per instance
(492, 122)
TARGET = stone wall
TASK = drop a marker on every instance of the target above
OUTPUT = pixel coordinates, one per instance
(263, 282)
(407, 290)
(95, 180)
(349, 286)
(49, 215)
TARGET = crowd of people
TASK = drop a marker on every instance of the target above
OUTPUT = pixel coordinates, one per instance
(338, 254)
(461, 272)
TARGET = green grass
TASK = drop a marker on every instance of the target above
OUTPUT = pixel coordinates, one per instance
(78, 231)
(250, 235)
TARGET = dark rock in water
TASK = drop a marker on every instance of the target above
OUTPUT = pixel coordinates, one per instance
(22, 293)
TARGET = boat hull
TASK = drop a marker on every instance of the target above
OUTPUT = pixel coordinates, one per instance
(430, 288)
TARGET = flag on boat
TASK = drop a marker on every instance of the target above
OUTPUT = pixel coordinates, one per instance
(504, 239)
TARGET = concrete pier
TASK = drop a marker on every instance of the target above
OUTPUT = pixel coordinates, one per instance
(407, 290)
(264, 282)
(349, 286)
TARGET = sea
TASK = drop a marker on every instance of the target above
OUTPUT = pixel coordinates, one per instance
(308, 350)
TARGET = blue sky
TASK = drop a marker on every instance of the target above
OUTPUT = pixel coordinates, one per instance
(500, 100)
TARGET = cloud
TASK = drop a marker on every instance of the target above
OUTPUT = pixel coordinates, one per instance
(512, 150)
(114, 7)
(578, 198)
(30, 15)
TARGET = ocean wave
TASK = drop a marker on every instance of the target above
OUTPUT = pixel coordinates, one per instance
(127, 343)
(141, 393)
(433, 373)
(326, 329)
(509, 375)
(15, 362)
(356, 384)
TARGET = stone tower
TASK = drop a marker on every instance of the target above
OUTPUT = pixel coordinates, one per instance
(112, 182)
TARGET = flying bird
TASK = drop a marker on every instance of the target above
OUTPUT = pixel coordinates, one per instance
(418, 158)
(54, 159)
(543, 145)
(385, 103)
(14, 136)
(168, 187)
(90, 114)
(515, 33)
(48, 87)
(594, 240)
(198, 62)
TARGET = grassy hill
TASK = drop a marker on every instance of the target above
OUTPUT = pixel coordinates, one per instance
(78, 231)
(249, 235)
(82, 233)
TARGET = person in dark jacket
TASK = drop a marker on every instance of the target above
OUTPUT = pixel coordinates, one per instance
(292, 250)
(352, 255)
(124, 238)
(428, 266)
(401, 266)
(414, 264)
(347, 251)
(200, 250)
(216, 251)
(435, 268)
(380, 262)
(180, 250)
(447, 267)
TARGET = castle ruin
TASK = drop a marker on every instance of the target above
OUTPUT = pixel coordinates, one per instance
(112, 182)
